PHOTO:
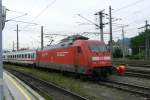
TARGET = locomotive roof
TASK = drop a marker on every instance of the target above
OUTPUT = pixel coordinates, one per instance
(66, 42)
(74, 37)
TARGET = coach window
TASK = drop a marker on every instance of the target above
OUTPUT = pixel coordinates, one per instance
(22, 55)
(25, 56)
(28, 55)
(32, 55)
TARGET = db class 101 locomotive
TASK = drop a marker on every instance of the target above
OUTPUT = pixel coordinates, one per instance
(75, 54)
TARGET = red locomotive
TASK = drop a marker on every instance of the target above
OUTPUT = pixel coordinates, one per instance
(74, 54)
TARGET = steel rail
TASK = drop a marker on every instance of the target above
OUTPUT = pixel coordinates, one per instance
(138, 71)
(50, 89)
(135, 74)
(140, 90)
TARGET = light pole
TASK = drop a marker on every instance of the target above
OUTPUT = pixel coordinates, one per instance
(1, 50)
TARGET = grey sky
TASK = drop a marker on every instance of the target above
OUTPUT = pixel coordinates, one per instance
(61, 17)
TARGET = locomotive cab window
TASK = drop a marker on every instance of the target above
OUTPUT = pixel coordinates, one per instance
(98, 48)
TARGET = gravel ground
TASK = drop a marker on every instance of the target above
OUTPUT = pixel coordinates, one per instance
(105, 93)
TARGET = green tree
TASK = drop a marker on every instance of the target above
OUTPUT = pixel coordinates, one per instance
(117, 53)
(138, 42)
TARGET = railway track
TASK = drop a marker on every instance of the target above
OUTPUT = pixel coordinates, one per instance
(145, 66)
(140, 90)
(46, 88)
(136, 74)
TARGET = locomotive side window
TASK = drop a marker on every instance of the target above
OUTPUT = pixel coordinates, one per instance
(79, 49)
(28, 55)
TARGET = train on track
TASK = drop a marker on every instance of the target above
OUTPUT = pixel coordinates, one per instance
(75, 54)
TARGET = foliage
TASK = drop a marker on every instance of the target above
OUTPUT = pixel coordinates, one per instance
(117, 53)
(138, 42)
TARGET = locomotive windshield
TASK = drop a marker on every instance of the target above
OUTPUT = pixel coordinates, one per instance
(98, 48)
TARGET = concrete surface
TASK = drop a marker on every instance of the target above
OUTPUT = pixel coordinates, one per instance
(14, 89)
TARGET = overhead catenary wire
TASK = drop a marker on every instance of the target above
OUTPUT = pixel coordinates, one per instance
(129, 5)
(15, 11)
(41, 12)
(17, 17)
(88, 20)
(23, 22)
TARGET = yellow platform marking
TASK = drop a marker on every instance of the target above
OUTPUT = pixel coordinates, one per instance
(20, 89)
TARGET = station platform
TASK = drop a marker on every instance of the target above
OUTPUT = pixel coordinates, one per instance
(14, 89)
